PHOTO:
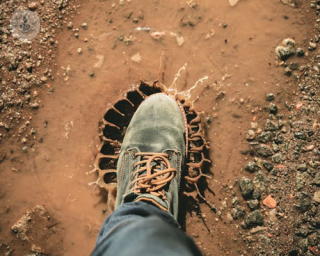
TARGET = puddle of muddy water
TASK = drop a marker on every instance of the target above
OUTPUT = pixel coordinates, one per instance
(232, 46)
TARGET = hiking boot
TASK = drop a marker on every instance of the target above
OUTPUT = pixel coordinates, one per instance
(152, 154)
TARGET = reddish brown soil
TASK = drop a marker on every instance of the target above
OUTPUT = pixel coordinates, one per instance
(239, 60)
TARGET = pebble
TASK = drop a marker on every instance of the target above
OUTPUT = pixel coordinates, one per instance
(285, 52)
(70, 25)
(312, 45)
(253, 204)
(300, 52)
(33, 6)
(265, 137)
(263, 150)
(237, 212)
(246, 187)
(267, 165)
(79, 50)
(303, 201)
(270, 126)
(316, 180)
(270, 97)
(254, 218)
(273, 108)
(277, 158)
(287, 71)
(251, 135)
(300, 135)
(294, 65)
(316, 196)
(302, 167)
(44, 79)
(252, 167)
(84, 25)
(270, 202)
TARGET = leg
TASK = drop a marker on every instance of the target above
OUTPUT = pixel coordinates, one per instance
(142, 229)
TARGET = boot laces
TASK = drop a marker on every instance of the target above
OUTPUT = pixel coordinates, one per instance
(153, 174)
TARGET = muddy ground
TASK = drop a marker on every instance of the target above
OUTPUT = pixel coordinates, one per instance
(260, 110)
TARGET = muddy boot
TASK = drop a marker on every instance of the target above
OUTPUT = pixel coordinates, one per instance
(152, 154)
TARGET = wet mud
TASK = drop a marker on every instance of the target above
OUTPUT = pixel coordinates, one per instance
(229, 49)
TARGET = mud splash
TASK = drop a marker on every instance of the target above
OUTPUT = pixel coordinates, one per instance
(113, 128)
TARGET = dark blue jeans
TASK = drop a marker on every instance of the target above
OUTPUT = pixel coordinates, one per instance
(141, 229)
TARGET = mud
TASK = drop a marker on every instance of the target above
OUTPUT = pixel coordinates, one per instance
(113, 129)
(95, 64)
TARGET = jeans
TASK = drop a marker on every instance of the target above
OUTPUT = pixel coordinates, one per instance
(138, 228)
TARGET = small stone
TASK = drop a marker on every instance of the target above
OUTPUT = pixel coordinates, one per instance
(235, 201)
(270, 126)
(260, 181)
(254, 218)
(263, 150)
(252, 167)
(289, 42)
(79, 50)
(275, 147)
(316, 196)
(312, 45)
(316, 180)
(251, 135)
(273, 108)
(24, 140)
(300, 52)
(300, 135)
(253, 204)
(294, 66)
(265, 137)
(303, 245)
(84, 25)
(302, 167)
(237, 212)
(270, 97)
(284, 52)
(313, 239)
(267, 165)
(277, 158)
(279, 139)
(273, 215)
(254, 125)
(270, 202)
(25, 149)
(303, 200)
(44, 79)
(287, 71)
(33, 6)
(246, 187)
(301, 180)
(70, 25)
(290, 3)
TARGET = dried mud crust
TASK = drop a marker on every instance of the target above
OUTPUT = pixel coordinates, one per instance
(113, 128)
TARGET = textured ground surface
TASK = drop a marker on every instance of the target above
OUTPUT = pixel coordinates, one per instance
(264, 195)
